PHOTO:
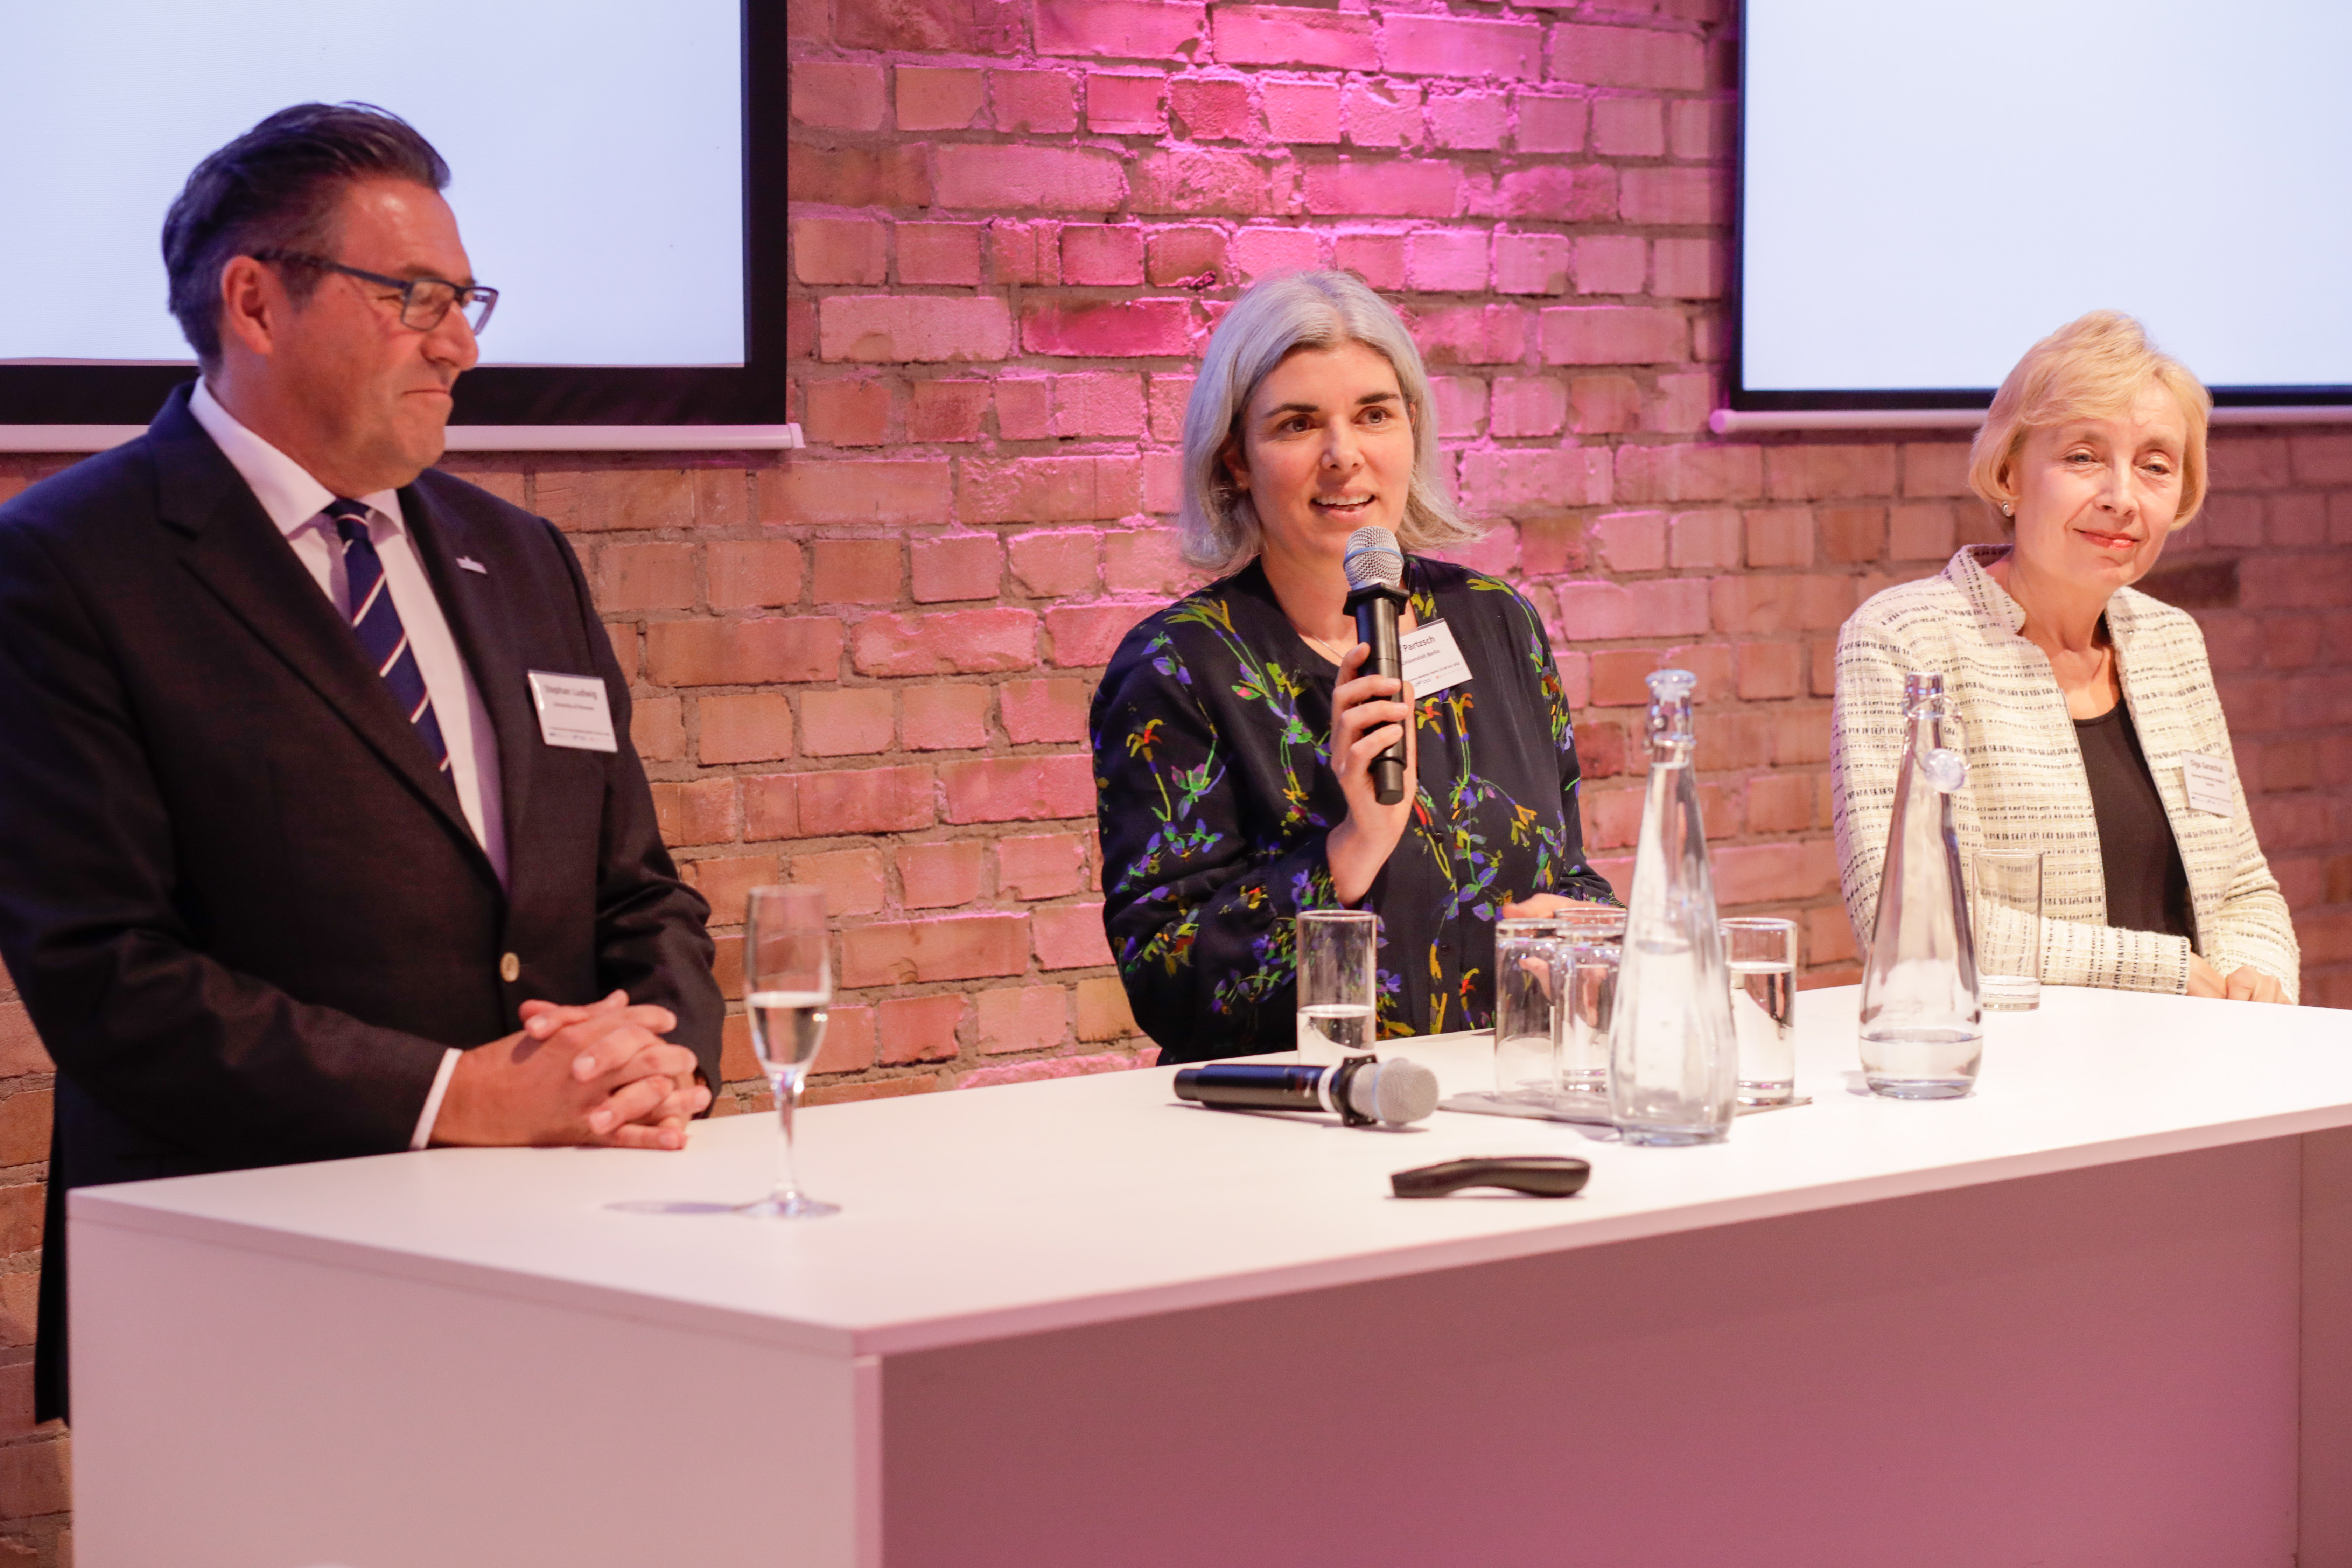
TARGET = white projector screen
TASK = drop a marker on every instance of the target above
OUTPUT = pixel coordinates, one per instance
(1926, 189)
(597, 147)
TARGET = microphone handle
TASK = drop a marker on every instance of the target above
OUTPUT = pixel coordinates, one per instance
(1274, 1086)
(1375, 623)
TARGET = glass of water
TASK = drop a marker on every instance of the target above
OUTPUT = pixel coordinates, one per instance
(1761, 955)
(2005, 908)
(1335, 984)
(787, 986)
(1593, 940)
(1530, 955)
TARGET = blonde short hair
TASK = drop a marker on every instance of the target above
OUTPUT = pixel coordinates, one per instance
(1217, 523)
(2092, 365)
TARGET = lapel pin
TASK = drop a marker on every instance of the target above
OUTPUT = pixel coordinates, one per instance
(471, 564)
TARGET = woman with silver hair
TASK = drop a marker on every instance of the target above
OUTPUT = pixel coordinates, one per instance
(1234, 735)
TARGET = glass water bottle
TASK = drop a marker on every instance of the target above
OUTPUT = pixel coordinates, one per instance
(1674, 1060)
(1922, 1032)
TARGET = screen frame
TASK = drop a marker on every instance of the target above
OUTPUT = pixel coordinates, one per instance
(753, 394)
(1740, 398)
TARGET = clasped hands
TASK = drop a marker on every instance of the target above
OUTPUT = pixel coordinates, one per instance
(597, 1074)
(2243, 983)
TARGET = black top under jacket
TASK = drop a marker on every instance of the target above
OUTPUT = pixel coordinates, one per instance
(2147, 887)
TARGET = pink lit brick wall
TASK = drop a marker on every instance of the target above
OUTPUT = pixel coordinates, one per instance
(868, 664)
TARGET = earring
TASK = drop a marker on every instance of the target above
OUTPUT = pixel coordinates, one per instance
(2006, 509)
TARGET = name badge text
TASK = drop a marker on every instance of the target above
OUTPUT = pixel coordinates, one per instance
(575, 712)
(1432, 661)
(2206, 781)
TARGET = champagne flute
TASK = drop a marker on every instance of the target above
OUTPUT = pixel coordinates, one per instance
(787, 985)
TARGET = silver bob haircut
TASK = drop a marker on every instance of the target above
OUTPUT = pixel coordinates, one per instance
(1218, 525)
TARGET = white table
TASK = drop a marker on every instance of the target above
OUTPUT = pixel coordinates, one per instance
(2100, 1313)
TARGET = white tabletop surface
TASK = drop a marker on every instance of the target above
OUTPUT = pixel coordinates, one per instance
(968, 1217)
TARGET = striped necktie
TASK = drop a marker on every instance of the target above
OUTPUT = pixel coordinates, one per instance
(382, 637)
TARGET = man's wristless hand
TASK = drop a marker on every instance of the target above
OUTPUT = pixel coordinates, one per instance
(598, 1074)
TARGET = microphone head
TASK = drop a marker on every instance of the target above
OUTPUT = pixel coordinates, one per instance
(1374, 559)
(1395, 1091)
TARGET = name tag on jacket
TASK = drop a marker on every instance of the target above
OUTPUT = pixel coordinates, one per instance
(575, 710)
(1432, 661)
(2206, 781)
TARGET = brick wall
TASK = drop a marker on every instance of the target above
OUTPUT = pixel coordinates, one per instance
(868, 664)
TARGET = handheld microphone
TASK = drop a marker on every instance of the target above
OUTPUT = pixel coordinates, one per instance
(1375, 568)
(1359, 1090)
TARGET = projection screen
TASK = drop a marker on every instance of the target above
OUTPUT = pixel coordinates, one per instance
(601, 166)
(1926, 190)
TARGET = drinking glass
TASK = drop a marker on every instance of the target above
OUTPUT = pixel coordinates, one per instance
(1761, 956)
(1529, 954)
(1595, 935)
(787, 986)
(1335, 984)
(2005, 908)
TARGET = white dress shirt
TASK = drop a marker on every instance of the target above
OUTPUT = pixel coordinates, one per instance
(297, 503)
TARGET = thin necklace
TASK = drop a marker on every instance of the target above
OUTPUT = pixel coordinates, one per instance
(1334, 655)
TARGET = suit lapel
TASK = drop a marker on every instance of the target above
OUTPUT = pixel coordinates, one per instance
(239, 555)
(484, 632)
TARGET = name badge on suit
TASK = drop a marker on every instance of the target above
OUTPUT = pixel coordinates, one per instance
(575, 712)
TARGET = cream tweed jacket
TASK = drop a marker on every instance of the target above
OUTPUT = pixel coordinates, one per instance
(2027, 789)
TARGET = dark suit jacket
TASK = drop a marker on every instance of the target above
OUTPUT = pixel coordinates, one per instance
(241, 904)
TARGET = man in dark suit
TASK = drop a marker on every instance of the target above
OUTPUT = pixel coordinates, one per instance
(320, 831)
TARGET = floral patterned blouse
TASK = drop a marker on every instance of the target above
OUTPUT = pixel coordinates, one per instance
(1213, 783)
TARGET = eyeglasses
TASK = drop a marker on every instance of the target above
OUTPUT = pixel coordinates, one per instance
(423, 302)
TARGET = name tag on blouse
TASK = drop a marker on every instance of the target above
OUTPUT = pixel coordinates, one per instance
(575, 712)
(2206, 781)
(1432, 661)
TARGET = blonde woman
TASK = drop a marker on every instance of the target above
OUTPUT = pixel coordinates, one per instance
(2079, 698)
(1233, 735)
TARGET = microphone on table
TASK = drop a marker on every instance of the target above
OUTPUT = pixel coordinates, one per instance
(1359, 1090)
(1375, 568)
